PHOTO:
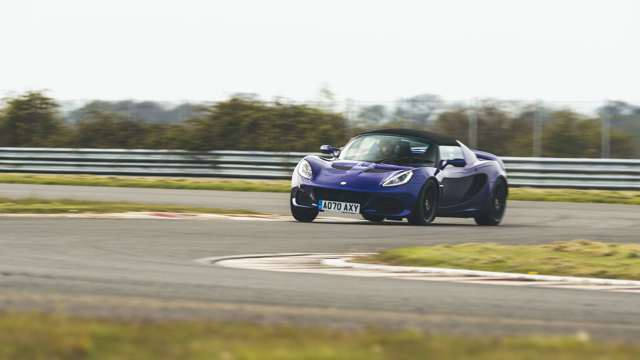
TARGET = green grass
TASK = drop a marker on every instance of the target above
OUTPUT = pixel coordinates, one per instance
(40, 206)
(36, 336)
(575, 195)
(568, 195)
(570, 258)
(149, 182)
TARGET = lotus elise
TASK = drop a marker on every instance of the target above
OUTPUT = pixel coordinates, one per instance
(398, 174)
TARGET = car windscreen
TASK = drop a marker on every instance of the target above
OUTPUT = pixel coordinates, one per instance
(389, 149)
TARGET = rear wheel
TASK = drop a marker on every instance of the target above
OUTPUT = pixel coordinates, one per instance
(302, 214)
(373, 218)
(494, 211)
(425, 209)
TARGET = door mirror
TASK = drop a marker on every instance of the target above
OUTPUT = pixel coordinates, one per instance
(331, 150)
(453, 162)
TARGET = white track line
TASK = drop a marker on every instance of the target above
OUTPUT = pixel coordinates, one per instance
(346, 263)
(157, 215)
(341, 264)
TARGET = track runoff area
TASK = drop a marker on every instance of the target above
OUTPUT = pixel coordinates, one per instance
(147, 267)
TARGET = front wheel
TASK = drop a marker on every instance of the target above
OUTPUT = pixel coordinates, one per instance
(427, 205)
(494, 211)
(302, 214)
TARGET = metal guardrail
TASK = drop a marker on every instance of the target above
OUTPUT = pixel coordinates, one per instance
(523, 171)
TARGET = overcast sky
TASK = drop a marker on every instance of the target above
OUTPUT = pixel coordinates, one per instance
(560, 50)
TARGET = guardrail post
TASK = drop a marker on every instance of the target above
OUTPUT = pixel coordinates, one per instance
(473, 126)
(605, 138)
(538, 124)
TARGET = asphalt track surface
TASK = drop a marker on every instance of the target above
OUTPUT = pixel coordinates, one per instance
(146, 269)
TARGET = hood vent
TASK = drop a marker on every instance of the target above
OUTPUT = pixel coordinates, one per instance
(342, 166)
(378, 170)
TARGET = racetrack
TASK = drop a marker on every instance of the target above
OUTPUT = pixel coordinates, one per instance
(146, 268)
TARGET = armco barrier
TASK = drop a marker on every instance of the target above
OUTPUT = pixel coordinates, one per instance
(522, 171)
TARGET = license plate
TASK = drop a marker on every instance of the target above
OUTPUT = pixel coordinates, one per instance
(341, 207)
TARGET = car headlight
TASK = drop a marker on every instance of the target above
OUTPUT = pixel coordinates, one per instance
(304, 169)
(398, 178)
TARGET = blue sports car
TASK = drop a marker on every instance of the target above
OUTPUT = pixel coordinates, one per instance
(398, 173)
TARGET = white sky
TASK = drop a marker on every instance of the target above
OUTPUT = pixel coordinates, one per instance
(559, 50)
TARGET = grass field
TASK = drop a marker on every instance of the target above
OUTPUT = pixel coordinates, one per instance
(36, 336)
(40, 206)
(570, 258)
(568, 195)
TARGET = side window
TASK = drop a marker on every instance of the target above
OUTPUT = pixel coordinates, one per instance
(451, 152)
(423, 153)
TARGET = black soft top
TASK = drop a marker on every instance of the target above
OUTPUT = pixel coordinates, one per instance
(433, 138)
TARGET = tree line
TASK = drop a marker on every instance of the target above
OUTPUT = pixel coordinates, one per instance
(33, 119)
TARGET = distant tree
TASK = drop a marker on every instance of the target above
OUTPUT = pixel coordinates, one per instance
(253, 125)
(110, 130)
(420, 109)
(624, 120)
(454, 123)
(31, 120)
(181, 113)
(372, 114)
(494, 129)
(167, 136)
(520, 141)
(622, 115)
(623, 145)
(249, 96)
(327, 98)
(148, 111)
(569, 134)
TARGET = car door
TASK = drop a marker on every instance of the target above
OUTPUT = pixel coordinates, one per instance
(456, 181)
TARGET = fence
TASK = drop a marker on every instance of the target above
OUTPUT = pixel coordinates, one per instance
(522, 171)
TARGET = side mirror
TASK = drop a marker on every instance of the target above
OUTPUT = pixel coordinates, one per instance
(453, 162)
(331, 150)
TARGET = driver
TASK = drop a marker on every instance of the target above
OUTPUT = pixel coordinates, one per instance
(386, 148)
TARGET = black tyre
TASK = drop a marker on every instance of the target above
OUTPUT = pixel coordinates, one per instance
(373, 218)
(302, 214)
(494, 211)
(427, 205)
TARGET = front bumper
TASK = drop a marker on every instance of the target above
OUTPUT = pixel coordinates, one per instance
(386, 203)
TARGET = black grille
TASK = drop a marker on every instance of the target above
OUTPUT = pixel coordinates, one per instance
(342, 195)
(387, 206)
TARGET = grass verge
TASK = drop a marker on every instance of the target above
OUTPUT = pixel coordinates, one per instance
(531, 194)
(40, 206)
(149, 182)
(567, 258)
(576, 195)
(36, 336)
